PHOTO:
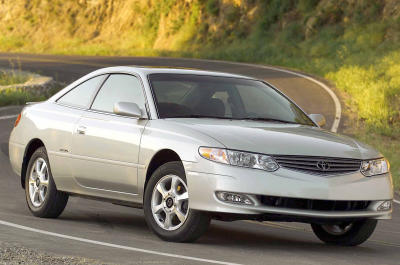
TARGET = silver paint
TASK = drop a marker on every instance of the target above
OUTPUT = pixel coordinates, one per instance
(109, 155)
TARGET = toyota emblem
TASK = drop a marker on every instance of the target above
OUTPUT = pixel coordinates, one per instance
(323, 165)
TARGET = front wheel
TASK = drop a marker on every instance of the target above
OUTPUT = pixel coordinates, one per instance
(347, 233)
(166, 206)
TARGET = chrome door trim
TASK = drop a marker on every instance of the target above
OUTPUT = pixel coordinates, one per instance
(113, 191)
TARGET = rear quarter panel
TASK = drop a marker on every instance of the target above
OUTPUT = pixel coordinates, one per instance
(53, 125)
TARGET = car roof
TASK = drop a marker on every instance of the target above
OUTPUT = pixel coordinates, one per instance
(147, 70)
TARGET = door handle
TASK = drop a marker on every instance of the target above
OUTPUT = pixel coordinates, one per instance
(81, 129)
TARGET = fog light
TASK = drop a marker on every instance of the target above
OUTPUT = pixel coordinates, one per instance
(386, 205)
(233, 198)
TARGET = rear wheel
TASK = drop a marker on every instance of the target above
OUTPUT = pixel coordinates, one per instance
(166, 206)
(347, 233)
(42, 196)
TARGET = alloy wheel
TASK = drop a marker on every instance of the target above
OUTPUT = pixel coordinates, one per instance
(170, 202)
(337, 229)
(38, 182)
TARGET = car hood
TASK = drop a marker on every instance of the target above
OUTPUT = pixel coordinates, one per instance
(280, 139)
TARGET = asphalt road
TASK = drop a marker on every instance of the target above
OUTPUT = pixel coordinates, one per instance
(119, 234)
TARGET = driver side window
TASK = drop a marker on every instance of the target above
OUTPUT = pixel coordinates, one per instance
(119, 88)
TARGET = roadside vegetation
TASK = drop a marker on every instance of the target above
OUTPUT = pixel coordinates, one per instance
(353, 44)
(13, 95)
(11, 78)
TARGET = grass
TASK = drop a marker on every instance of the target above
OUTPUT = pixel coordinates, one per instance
(12, 96)
(353, 44)
(11, 78)
(19, 96)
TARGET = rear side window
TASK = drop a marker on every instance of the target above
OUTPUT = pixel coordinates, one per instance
(119, 88)
(81, 95)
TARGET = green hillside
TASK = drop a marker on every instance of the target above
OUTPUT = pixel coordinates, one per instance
(353, 43)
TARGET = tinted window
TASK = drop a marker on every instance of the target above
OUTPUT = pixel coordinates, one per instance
(81, 95)
(264, 104)
(119, 88)
(222, 97)
(173, 92)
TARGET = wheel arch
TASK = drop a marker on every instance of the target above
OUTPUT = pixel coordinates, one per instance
(161, 157)
(31, 147)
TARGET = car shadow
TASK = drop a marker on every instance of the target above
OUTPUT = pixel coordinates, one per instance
(273, 239)
(125, 222)
(246, 236)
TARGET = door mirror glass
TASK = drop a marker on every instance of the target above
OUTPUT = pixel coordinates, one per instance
(318, 119)
(127, 109)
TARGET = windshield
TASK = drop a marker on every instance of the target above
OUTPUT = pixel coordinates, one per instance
(200, 96)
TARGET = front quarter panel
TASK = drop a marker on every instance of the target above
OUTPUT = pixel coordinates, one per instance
(164, 134)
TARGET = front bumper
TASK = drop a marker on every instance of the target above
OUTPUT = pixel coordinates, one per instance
(284, 183)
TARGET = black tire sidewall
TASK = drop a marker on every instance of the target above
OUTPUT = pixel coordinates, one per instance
(185, 232)
(358, 233)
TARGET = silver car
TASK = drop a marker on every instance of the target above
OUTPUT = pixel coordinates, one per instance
(189, 146)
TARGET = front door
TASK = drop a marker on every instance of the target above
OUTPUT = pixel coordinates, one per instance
(106, 146)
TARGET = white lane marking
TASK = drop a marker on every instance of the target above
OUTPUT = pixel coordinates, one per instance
(396, 201)
(8, 117)
(336, 101)
(26, 228)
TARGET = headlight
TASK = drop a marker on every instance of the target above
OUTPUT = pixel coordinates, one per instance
(375, 167)
(239, 158)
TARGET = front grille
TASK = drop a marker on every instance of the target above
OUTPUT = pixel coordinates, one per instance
(319, 165)
(315, 205)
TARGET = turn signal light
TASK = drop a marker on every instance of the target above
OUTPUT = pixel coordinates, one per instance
(17, 120)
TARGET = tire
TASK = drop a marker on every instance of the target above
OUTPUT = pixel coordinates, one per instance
(195, 223)
(356, 233)
(48, 202)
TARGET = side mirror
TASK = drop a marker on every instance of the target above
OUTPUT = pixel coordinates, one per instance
(128, 109)
(318, 119)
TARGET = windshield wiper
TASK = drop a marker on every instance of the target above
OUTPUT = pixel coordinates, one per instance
(232, 118)
(268, 119)
(203, 116)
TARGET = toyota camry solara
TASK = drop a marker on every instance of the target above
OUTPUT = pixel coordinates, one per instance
(189, 146)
